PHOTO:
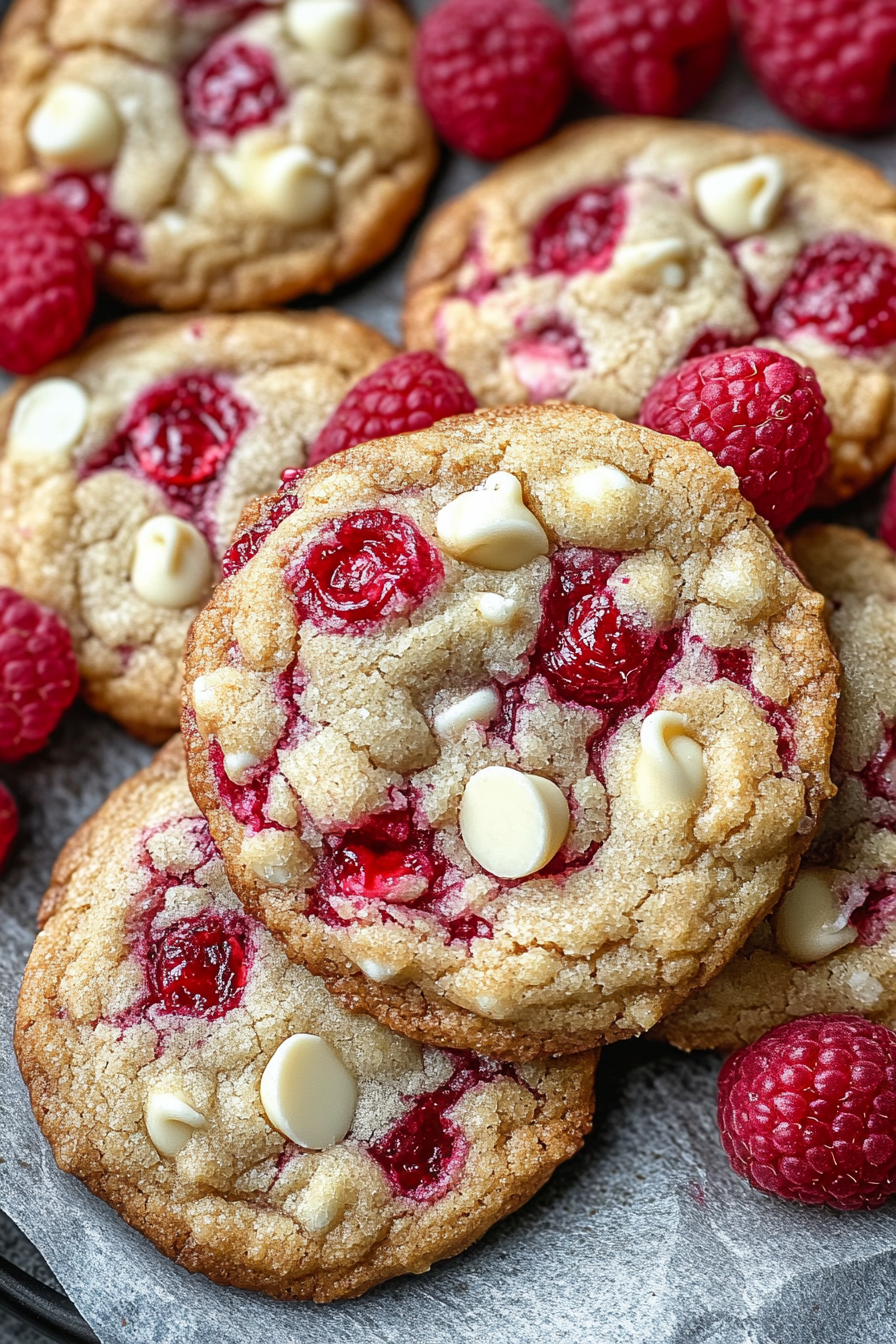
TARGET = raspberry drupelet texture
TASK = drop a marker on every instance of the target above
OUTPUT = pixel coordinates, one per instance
(38, 674)
(46, 283)
(407, 393)
(808, 1112)
(826, 63)
(494, 77)
(9, 823)
(658, 59)
(843, 290)
(756, 411)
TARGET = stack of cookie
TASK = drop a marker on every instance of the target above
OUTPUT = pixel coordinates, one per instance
(501, 739)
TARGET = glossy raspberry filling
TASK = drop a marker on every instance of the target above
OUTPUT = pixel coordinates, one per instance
(232, 87)
(87, 201)
(737, 666)
(250, 542)
(197, 967)
(545, 362)
(589, 651)
(248, 801)
(423, 1153)
(873, 919)
(580, 233)
(842, 289)
(366, 567)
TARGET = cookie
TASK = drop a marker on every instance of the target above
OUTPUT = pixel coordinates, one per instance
(591, 266)
(514, 727)
(220, 155)
(124, 470)
(831, 945)
(228, 1107)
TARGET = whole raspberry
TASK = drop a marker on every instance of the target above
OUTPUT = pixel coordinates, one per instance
(494, 75)
(653, 56)
(408, 392)
(842, 289)
(46, 283)
(826, 63)
(9, 822)
(38, 674)
(808, 1112)
(756, 411)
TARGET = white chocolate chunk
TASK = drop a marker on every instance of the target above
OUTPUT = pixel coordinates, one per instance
(381, 972)
(172, 563)
(738, 199)
(512, 823)
(491, 526)
(328, 27)
(279, 858)
(479, 707)
(171, 1121)
(289, 184)
(49, 419)
(495, 609)
(659, 261)
(238, 764)
(597, 483)
(670, 768)
(75, 126)
(325, 1197)
(307, 1092)
(809, 924)
(205, 695)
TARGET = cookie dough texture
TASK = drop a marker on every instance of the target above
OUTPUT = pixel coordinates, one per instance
(201, 238)
(239, 1202)
(471, 294)
(855, 849)
(68, 539)
(649, 905)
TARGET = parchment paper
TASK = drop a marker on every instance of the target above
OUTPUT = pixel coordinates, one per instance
(646, 1237)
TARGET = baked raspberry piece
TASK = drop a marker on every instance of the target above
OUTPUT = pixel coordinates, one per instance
(808, 1112)
(493, 76)
(407, 393)
(843, 290)
(46, 283)
(86, 200)
(232, 87)
(826, 63)
(38, 674)
(756, 411)
(579, 233)
(9, 823)
(198, 966)
(642, 56)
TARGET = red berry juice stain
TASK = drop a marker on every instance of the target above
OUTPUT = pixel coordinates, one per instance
(363, 569)
(874, 918)
(250, 542)
(737, 666)
(580, 232)
(87, 201)
(878, 777)
(230, 88)
(423, 1153)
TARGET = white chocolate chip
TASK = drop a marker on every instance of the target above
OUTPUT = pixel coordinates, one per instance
(659, 261)
(325, 1198)
(809, 924)
(277, 857)
(289, 183)
(307, 1092)
(488, 1005)
(238, 764)
(381, 972)
(495, 609)
(171, 1121)
(329, 27)
(75, 126)
(670, 768)
(512, 823)
(491, 526)
(479, 707)
(738, 199)
(205, 695)
(596, 483)
(172, 564)
(49, 419)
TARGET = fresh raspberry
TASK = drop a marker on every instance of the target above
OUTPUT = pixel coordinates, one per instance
(827, 63)
(87, 201)
(756, 411)
(232, 87)
(46, 283)
(808, 1112)
(494, 76)
(38, 674)
(843, 290)
(579, 233)
(887, 527)
(9, 823)
(406, 393)
(653, 56)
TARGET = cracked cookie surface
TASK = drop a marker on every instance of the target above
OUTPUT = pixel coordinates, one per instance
(150, 1019)
(224, 156)
(513, 727)
(591, 266)
(125, 468)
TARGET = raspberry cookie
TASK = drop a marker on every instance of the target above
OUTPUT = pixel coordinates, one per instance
(514, 727)
(228, 1107)
(226, 155)
(831, 945)
(590, 267)
(124, 470)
